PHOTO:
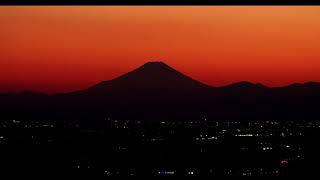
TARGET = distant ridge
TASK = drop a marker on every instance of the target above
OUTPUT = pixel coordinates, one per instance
(246, 85)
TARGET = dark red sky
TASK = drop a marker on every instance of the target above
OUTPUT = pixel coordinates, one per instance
(56, 49)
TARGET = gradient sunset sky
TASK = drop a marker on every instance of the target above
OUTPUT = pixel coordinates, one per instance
(59, 49)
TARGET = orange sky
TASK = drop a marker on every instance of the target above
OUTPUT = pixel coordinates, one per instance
(57, 49)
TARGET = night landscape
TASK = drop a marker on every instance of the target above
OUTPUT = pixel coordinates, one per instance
(73, 115)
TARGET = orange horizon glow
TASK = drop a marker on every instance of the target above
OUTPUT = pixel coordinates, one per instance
(59, 49)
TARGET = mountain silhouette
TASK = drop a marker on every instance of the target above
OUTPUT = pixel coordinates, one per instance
(151, 75)
(156, 88)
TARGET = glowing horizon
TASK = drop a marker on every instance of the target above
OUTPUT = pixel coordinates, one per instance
(59, 49)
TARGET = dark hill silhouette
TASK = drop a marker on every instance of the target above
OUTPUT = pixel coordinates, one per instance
(245, 85)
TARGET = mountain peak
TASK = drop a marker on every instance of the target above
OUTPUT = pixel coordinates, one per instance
(159, 62)
(152, 74)
(155, 64)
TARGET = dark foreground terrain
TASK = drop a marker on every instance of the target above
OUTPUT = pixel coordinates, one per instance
(165, 148)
